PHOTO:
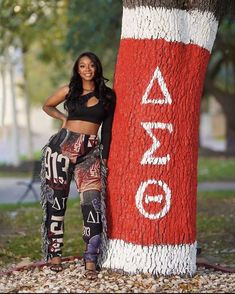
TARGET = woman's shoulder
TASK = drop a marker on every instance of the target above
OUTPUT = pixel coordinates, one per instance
(64, 89)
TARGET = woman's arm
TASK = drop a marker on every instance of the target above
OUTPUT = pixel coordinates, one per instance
(55, 99)
(106, 130)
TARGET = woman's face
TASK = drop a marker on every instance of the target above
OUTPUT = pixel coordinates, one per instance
(86, 68)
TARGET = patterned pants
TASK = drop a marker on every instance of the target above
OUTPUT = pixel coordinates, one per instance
(69, 154)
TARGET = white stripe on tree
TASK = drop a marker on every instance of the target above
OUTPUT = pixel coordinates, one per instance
(172, 25)
(168, 259)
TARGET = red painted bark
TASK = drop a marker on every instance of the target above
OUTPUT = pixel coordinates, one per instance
(130, 141)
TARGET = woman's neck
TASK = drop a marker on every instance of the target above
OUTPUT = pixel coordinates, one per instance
(88, 86)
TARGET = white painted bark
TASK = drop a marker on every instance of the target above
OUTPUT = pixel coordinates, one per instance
(155, 260)
(190, 27)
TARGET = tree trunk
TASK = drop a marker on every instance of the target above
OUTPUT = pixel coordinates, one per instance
(152, 184)
(3, 102)
(15, 127)
(227, 102)
(27, 109)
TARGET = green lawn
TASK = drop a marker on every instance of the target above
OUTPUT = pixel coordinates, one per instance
(18, 174)
(216, 169)
(20, 224)
(20, 229)
(215, 225)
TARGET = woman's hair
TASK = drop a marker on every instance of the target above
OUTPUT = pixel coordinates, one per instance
(75, 86)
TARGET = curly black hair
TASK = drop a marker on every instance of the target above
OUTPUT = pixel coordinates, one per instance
(104, 93)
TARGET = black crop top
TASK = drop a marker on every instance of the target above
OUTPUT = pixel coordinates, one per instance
(96, 114)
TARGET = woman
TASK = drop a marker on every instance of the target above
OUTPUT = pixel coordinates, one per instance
(75, 151)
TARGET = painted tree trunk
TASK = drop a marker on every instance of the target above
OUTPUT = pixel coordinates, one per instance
(152, 183)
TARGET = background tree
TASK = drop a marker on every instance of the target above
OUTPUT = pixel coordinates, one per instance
(22, 24)
(95, 26)
(151, 208)
(220, 79)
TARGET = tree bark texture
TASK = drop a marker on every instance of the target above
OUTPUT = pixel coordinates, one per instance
(152, 183)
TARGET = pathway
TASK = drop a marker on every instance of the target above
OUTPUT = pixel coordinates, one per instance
(10, 191)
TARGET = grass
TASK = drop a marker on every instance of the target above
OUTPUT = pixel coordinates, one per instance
(20, 224)
(18, 174)
(20, 231)
(36, 156)
(215, 225)
(216, 169)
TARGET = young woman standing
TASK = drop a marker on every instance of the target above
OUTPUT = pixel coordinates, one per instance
(76, 151)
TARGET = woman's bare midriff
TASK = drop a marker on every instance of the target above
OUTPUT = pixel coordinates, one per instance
(82, 127)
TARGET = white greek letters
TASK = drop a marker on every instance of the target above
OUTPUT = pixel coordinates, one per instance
(93, 219)
(56, 204)
(162, 201)
(157, 198)
(148, 158)
(167, 98)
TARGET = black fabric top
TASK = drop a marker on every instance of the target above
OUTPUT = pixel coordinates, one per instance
(95, 114)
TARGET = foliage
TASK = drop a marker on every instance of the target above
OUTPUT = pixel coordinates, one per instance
(36, 156)
(44, 77)
(220, 77)
(52, 33)
(24, 22)
(95, 26)
(221, 69)
(38, 28)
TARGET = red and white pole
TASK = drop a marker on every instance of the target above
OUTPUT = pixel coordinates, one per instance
(152, 183)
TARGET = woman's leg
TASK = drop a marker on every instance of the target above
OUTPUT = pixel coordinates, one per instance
(87, 177)
(56, 178)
